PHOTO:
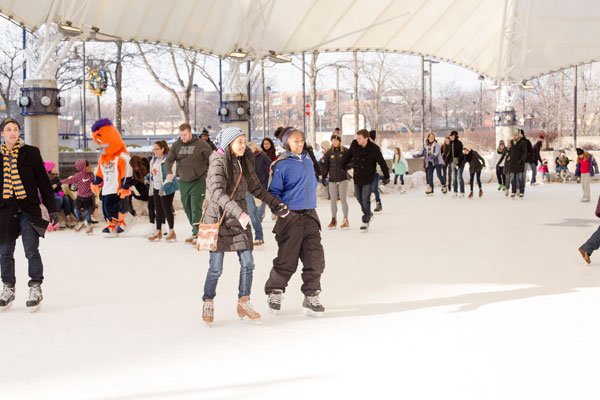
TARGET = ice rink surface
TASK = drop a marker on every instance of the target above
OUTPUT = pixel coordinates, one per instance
(443, 299)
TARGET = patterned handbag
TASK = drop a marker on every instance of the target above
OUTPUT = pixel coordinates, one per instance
(208, 234)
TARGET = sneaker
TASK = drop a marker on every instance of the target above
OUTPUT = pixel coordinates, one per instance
(480, 192)
(172, 237)
(79, 226)
(246, 311)
(379, 208)
(364, 227)
(471, 195)
(208, 312)
(345, 225)
(190, 240)
(6, 297)
(312, 306)
(332, 224)
(274, 301)
(156, 237)
(35, 297)
(584, 254)
(499, 187)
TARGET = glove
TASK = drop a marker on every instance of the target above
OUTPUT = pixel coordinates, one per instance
(244, 220)
(282, 210)
(386, 181)
(61, 194)
(95, 189)
(124, 193)
(53, 218)
(324, 182)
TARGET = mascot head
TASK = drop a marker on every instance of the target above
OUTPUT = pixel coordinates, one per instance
(107, 137)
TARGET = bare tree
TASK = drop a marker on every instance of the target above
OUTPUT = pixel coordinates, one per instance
(376, 74)
(10, 64)
(181, 89)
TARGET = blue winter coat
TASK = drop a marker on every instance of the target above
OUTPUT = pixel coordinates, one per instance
(293, 181)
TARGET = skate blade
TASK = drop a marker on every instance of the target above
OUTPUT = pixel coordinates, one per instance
(6, 307)
(344, 229)
(311, 313)
(248, 320)
(209, 324)
(364, 230)
(35, 308)
(274, 312)
(171, 240)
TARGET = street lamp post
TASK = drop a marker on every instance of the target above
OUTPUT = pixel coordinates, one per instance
(268, 104)
(431, 62)
(195, 86)
(422, 99)
(481, 78)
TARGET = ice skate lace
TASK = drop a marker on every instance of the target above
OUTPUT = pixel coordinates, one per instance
(6, 294)
(208, 310)
(35, 293)
(313, 300)
(246, 306)
(276, 298)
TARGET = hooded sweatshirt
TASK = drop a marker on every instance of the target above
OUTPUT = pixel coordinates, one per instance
(191, 157)
(81, 179)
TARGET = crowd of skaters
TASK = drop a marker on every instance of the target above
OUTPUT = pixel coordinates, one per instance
(233, 181)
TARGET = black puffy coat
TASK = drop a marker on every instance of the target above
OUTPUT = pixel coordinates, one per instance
(34, 178)
(232, 237)
(530, 155)
(455, 150)
(476, 162)
(518, 156)
(332, 164)
(365, 160)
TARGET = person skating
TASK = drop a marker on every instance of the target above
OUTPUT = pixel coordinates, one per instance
(543, 169)
(163, 192)
(191, 155)
(85, 198)
(535, 159)
(433, 161)
(447, 166)
(206, 137)
(476, 164)
(399, 167)
(298, 236)
(593, 243)
(230, 175)
(585, 170)
(499, 162)
(375, 185)
(23, 182)
(518, 159)
(338, 180)
(262, 163)
(365, 156)
(456, 155)
(63, 201)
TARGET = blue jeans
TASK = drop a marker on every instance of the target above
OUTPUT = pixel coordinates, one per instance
(88, 215)
(375, 186)
(517, 182)
(593, 243)
(438, 169)
(255, 214)
(215, 270)
(560, 169)
(64, 203)
(363, 195)
(458, 177)
(31, 243)
(533, 172)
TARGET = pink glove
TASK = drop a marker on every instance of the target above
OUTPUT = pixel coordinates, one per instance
(61, 194)
(244, 220)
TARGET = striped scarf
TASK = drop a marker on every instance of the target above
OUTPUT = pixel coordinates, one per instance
(12, 180)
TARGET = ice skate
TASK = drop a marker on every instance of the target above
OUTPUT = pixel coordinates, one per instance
(429, 191)
(274, 301)
(364, 227)
(582, 252)
(455, 195)
(480, 192)
(378, 208)
(89, 230)
(246, 311)
(191, 240)
(35, 297)
(332, 224)
(461, 196)
(259, 245)
(512, 196)
(7, 297)
(70, 221)
(171, 237)
(345, 225)
(208, 312)
(444, 189)
(470, 195)
(312, 306)
(79, 226)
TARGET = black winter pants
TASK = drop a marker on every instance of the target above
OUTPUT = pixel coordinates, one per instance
(500, 175)
(164, 209)
(298, 236)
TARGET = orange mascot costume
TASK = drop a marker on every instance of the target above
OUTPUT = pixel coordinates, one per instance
(113, 176)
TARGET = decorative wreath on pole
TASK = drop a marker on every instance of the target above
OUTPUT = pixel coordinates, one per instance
(96, 81)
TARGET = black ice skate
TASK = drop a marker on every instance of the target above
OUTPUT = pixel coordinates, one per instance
(7, 297)
(274, 301)
(35, 297)
(379, 208)
(312, 306)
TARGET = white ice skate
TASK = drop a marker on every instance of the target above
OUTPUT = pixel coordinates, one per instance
(311, 306)
(274, 301)
(35, 298)
(7, 297)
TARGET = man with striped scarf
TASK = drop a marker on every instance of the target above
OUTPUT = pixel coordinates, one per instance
(23, 182)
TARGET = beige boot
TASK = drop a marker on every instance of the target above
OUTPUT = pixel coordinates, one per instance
(89, 230)
(79, 226)
(172, 237)
(345, 224)
(208, 312)
(156, 236)
(245, 309)
(332, 224)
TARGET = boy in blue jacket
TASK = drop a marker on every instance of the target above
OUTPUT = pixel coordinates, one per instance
(299, 234)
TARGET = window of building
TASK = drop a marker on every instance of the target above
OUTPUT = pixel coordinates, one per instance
(277, 101)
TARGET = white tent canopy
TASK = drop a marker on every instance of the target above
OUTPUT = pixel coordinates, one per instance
(509, 40)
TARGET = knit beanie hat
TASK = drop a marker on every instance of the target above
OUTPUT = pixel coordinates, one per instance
(579, 151)
(501, 143)
(49, 165)
(226, 136)
(7, 121)
(373, 134)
